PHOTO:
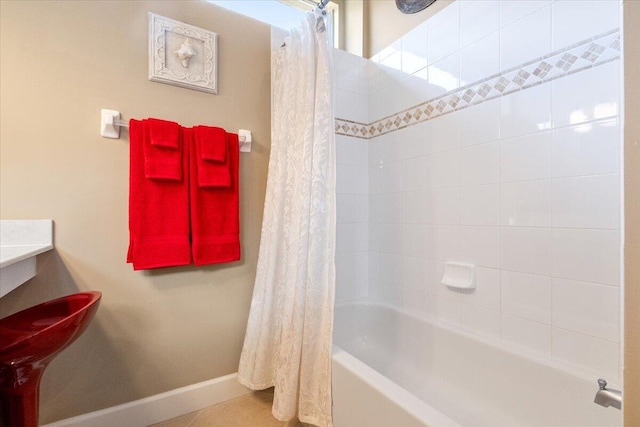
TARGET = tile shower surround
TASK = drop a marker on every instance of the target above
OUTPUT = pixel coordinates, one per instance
(517, 172)
(573, 59)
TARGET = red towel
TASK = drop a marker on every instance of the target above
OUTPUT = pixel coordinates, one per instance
(158, 209)
(215, 224)
(211, 158)
(162, 153)
(213, 143)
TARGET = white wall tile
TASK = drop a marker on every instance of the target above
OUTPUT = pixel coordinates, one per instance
(478, 18)
(444, 242)
(575, 21)
(346, 273)
(387, 148)
(444, 75)
(480, 59)
(392, 62)
(351, 151)
(415, 207)
(414, 301)
(480, 123)
(414, 49)
(450, 12)
(526, 204)
(487, 291)
(385, 292)
(588, 149)
(382, 178)
(480, 164)
(415, 273)
(444, 133)
(511, 11)
(526, 250)
(527, 296)
(385, 208)
(390, 99)
(414, 174)
(347, 70)
(525, 333)
(352, 208)
(525, 112)
(444, 36)
(572, 104)
(526, 39)
(385, 268)
(414, 240)
(476, 185)
(587, 202)
(351, 179)
(351, 275)
(598, 356)
(385, 238)
(444, 170)
(352, 237)
(445, 310)
(481, 321)
(587, 255)
(480, 205)
(412, 141)
(415, 88)
(351, 106)
(587, 308)
(444, 206)
(434, 276)
(481, 246)
(527, 157)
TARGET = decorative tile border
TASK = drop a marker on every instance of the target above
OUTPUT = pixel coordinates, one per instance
(581, 56)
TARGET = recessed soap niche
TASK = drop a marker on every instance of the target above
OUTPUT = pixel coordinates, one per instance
(459, 275)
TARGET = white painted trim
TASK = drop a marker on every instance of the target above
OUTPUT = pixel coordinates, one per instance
(161, 407)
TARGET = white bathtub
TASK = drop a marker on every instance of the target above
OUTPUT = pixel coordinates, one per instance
(392, 369)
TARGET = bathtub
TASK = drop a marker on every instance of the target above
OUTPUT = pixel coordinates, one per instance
(395, 369)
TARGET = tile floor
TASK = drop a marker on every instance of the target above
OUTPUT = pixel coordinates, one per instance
(252, 410)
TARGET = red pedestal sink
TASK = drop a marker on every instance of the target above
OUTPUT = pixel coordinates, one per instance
(29, 340)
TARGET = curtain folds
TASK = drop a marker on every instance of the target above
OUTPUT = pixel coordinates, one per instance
(288, 338)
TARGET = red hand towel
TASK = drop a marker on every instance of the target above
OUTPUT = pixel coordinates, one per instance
(213, 163)
(215, 224)
(162, 153)
(158, 210)
(164, 134)
(213, 143)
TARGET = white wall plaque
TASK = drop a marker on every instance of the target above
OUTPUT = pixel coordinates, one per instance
(182, 55)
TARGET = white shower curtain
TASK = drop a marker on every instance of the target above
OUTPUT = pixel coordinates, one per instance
(288, 338)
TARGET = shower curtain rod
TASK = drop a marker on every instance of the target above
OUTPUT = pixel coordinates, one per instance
(318, 9)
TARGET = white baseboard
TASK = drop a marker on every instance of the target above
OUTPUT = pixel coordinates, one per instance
(161, 407)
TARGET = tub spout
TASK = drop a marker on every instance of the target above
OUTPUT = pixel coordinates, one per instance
(608, 397)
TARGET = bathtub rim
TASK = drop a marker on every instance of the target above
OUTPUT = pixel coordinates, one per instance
(403, 398)
(512, 349)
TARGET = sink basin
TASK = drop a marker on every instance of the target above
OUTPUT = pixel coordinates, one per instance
(29, 340)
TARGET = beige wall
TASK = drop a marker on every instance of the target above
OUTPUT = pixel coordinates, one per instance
(384, 23)
(632, 213)
(61, 63)
(354, 26)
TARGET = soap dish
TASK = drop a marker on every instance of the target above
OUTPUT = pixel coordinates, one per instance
(459, 275)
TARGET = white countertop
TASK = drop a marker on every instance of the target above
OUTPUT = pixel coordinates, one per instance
(12, 254)
(20, 242)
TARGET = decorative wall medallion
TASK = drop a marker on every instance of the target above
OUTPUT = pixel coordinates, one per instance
(413, 6)
(182, 55)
